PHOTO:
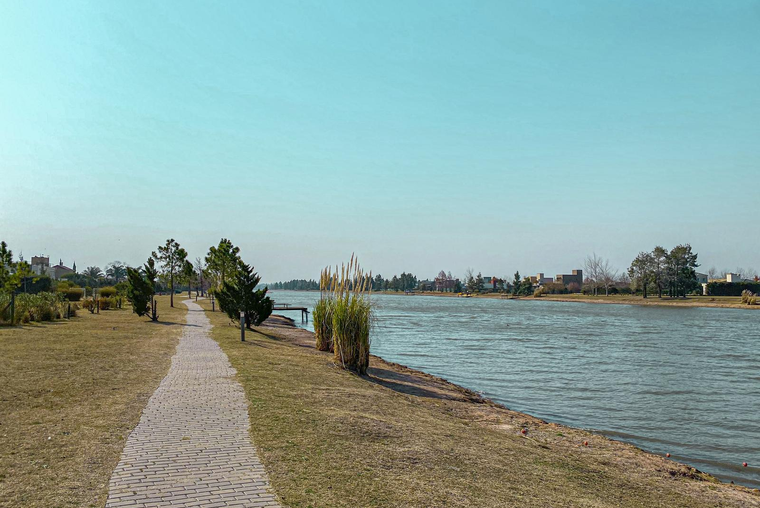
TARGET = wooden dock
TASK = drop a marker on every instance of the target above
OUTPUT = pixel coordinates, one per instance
(287, 307)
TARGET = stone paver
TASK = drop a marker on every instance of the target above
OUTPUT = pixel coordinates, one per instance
(192, 446)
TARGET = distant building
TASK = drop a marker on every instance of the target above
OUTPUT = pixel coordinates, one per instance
(41, 266)
(445, 284)
(575, 278)
(489, 283)
(734, 277)
(541, 280)
(702, 278)
(59, 270)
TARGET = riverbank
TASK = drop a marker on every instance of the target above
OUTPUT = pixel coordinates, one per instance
(399, 437)
(731, 302)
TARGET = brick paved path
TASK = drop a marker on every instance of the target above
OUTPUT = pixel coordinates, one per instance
(192, 446)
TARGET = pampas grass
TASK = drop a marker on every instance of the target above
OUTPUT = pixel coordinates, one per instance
(343, 316)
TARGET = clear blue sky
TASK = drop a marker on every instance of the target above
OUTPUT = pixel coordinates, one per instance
(422, 135)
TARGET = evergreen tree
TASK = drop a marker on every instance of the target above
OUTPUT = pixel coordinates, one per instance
(642, 271)
(517, 284)
(141, 286)
(172, 258)
(239, 294)
(222, 261)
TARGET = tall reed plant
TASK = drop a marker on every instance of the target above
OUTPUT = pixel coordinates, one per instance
(347, 292)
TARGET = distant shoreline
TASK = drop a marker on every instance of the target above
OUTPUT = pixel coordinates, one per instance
(721, 302)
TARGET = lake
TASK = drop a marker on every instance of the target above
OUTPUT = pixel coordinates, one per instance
(684, 381)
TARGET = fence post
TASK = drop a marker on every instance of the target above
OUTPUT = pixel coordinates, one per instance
(68, 312)
(212, 303)
(242, 326)
(13, 307)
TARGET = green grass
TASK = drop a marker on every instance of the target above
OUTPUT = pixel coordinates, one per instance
(70, 392)
(330, 438)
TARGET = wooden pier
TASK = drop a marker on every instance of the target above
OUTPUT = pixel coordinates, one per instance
(286, 306)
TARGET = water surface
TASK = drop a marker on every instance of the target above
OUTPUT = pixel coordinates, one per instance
(679, 380)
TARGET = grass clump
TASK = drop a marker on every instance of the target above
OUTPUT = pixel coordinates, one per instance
(748, 297)
(343, 315)
(323, 317)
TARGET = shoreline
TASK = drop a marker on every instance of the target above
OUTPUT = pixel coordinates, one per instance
(484, 411)
(717, 302)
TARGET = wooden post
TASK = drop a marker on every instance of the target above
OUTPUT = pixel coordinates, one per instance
(13, 307)
(68, 312)
(242, 326)
(97, 305)
(212, 303)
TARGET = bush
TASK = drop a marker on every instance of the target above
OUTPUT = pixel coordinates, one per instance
(29, 307)
(732, 288)
(88, 304)
(72, 294)
(352, 317)
(555, 288)
(573, 287)
(541, 291)
(323, 320)
(748, 297)
(107, 292)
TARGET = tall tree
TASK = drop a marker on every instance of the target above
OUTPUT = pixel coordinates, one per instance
(92, 275)
(116, 271)
(239, 294)
(660, 269)
(200, 268)
(141, 286)
(188, 276)
(172, 258)
(222, 261)
(517, 284)
(642, 271)
(682, 264)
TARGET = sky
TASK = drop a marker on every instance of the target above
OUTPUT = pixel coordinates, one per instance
(422, 135)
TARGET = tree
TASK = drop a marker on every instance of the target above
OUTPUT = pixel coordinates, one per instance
(642, 271)
(239, 294)
(592, 272)
(469, 280)
(141, 286)
(6, 263)
(200, 269)
(682, 274)
(116, 271)
(377, 284)
(172, 258)
(660, 269)
(92, 275)
(479, 281)
(607, 275)
(517, 284)
(222, 261)
(188, 276)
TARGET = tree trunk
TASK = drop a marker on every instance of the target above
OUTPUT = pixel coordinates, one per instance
(171, 288)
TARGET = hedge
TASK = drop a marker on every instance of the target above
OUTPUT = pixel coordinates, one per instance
(731, 288)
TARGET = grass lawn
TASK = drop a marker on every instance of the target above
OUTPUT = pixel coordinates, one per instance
(70, 392)
(329, 438)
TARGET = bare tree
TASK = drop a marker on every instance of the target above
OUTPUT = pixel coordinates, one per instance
(607, 275)
(712, 273)
(591, 270)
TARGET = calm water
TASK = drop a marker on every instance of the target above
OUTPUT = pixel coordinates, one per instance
(678, 380)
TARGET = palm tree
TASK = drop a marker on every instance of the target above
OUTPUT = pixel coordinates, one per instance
(92, 274)
(116, 271)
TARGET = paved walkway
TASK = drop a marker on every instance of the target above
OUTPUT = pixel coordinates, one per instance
(192, 446)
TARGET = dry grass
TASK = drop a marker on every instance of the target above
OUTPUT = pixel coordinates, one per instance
(330, 438)
(70, 392)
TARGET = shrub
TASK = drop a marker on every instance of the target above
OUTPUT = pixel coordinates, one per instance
(573, 287)
(107, 292)
(323, 320)
(748, 297)
(541, 291)
(72, 294)
(108, 303)
(39, 307)
(88, 304)
(352, 315)
(555, 288)
(731, 288)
